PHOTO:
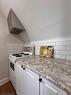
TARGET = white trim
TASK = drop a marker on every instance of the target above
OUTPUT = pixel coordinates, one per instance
(3, 81)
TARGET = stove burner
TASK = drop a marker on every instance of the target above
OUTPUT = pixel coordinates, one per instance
(26, 54)
(17, 55)
(22, 53)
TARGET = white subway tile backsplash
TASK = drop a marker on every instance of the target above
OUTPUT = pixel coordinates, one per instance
(69, 42)
(61, 43)
(68, 47)
(68, 52)
(60, 52)
(46, 42)
(57, 47)
(68, 57)
(62, 47)
(61, 56)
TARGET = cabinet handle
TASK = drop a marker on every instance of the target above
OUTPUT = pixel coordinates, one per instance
(21, 66)
(40, 79)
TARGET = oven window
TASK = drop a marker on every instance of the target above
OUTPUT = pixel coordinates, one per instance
(12, 66)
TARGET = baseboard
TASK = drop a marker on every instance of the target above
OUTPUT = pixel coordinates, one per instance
(3, 81)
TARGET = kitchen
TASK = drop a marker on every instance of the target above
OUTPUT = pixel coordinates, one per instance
(41, 23)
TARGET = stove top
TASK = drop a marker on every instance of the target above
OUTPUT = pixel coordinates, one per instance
(20, 54)
(17, 55)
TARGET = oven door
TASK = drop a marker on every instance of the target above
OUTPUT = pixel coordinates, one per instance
(12, 76)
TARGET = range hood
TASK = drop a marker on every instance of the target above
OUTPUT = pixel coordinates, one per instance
(15, 26)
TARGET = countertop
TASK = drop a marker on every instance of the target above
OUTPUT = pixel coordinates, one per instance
(57, 71)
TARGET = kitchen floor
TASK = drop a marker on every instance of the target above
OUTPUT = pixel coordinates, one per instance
(7, 89)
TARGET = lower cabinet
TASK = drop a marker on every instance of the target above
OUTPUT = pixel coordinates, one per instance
(47, 88)
(29, 83)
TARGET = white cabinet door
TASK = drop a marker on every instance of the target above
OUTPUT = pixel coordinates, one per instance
(47, 88)
(29, 83)
(23, 82)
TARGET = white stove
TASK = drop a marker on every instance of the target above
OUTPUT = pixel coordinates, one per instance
(27, 51)
(12, 60)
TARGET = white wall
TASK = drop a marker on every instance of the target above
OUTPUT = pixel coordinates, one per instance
(5, 39)
(43, 19)
(3, 50)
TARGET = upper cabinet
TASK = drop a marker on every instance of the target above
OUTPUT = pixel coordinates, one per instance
(15, 26)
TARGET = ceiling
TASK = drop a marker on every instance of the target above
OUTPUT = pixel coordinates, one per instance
(42, 19)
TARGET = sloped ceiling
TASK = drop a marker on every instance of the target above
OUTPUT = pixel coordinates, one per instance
(43, 19)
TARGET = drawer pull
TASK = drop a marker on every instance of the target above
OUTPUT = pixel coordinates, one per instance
(40, 79)
(23, 68)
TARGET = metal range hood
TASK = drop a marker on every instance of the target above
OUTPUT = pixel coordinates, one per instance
(15, 26)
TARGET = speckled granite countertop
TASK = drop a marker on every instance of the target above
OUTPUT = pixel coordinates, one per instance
(57, 71)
